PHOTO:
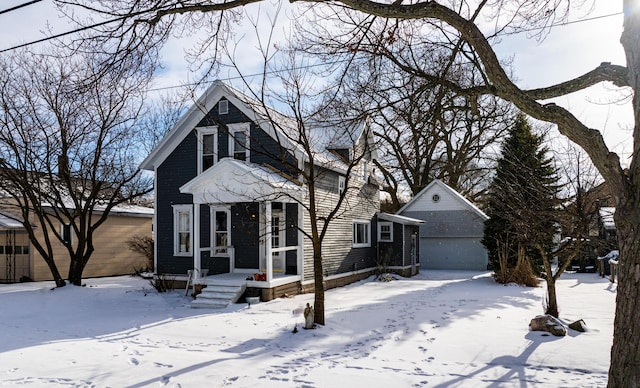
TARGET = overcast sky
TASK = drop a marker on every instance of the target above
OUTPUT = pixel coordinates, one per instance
(567, 52)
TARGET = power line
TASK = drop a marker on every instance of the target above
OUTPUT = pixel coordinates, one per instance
(19, 6)
(143, 12)
(63, 34)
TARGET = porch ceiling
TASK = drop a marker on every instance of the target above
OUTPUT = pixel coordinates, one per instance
(231, 181)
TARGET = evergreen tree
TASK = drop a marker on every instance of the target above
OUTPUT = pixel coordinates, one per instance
(522, 206)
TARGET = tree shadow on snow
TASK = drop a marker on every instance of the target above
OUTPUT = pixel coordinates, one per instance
(515, 366)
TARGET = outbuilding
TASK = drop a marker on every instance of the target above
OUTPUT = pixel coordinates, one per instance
(450, 237)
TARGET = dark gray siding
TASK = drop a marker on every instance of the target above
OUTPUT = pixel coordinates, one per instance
(263, 148)
(180, 167)
(175, 171)
(390, 253)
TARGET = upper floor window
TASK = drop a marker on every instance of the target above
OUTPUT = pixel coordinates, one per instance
(239, 141)
(182, 236)
(341, 184)
(361, 234)
(223, 107)
(385, 231)
(207, 147)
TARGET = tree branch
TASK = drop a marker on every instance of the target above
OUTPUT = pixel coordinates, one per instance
(605, 72)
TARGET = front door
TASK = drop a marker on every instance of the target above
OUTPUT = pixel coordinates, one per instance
(414, 242)
(278, 240)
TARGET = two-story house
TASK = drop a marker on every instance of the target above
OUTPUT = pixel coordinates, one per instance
(230, 198)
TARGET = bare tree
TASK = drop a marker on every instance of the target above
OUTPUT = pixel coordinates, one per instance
(144, 20)
(425, 131)
(577, 216)
(69, 152)
(326, 150)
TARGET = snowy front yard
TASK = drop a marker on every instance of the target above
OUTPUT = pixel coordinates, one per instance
(438, 329)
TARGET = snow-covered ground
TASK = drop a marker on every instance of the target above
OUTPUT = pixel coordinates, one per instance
(438, 329)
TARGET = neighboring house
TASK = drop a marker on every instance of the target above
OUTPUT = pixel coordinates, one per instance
(19, 261)
(452, 230)
(229, 199)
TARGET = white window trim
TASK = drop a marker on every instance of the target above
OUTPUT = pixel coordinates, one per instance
(380, 225)
(365, 244)
(213, 210)
(207, 131)
(223, 109)
(239, 127)
(341, 184)
(177, 209)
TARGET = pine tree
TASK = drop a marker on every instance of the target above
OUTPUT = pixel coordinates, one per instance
(522, 206)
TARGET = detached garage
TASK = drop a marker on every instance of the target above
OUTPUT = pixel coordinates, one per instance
(452, 229)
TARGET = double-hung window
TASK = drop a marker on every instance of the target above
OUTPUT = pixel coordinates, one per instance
(341, 184)
(239, 141)
(182, 225)
(207, 147)
(385, 231)
(361, 234)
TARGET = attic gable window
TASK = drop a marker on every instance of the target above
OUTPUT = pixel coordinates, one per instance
(207, 147)
(223, 107)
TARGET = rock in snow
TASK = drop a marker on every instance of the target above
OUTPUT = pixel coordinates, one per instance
(548, 323)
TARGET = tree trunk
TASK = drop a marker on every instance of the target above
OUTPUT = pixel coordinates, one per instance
(624, 370)
(625, 353)
(318, 316)
(552, 301)
(76, 267)
(57, 278)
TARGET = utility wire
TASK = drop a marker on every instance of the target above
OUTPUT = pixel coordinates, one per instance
(19, 6)
(142, 12)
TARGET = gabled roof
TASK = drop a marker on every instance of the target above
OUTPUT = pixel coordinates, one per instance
(437, 183)
(284, 130)
(231, 180)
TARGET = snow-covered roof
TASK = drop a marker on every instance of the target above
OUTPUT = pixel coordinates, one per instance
(400, 219)
(231, 180)
(454, 194)
(10, 222)
(606, 215)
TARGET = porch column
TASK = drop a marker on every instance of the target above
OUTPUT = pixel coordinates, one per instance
(196, 241)
(267, 243)
(300, 251)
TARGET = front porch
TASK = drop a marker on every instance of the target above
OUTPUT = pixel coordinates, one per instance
(247, 220)
(219, 291)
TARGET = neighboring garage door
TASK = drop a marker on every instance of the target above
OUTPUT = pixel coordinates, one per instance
(453, 253)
